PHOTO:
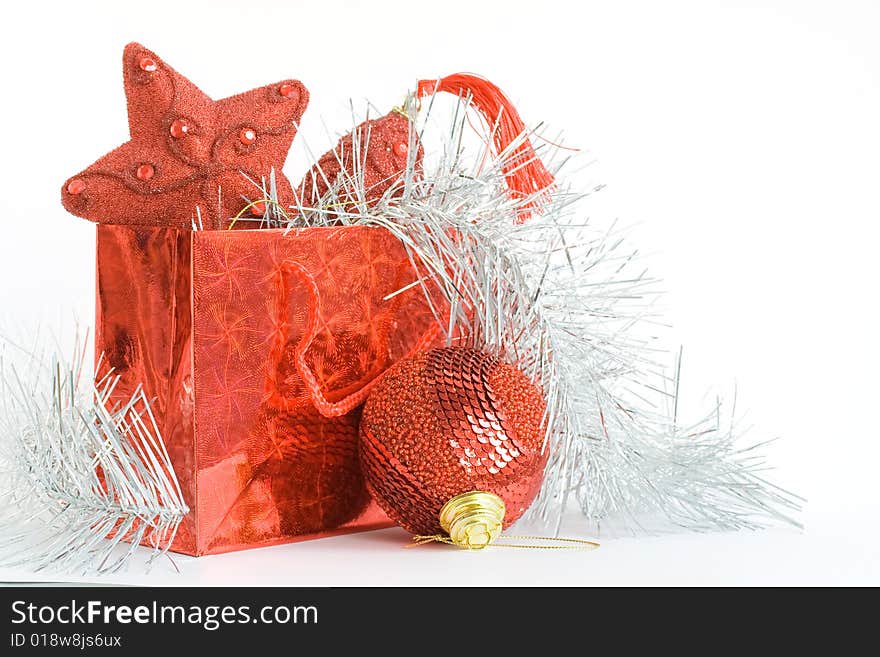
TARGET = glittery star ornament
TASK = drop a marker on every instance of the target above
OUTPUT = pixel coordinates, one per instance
(448, 422)
(187, 151)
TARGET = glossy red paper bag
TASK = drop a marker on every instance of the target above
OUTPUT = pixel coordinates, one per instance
(256, 348)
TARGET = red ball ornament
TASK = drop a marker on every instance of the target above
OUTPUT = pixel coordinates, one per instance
(452, 441)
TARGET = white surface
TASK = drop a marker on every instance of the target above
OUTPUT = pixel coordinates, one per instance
(743, 136)
(835, 550)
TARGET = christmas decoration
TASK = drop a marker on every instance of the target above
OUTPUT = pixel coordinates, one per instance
(243, 338)
(501, 340)
(385, 145)
(449, 422)
(187, 153)
(84, 480)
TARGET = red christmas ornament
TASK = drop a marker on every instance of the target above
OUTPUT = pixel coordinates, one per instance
(383, 145)
(444, 429)
(199, 148)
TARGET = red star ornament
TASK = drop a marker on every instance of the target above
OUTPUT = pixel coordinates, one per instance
(188, 151)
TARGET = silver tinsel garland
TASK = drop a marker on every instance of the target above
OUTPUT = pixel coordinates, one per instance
(83, 482)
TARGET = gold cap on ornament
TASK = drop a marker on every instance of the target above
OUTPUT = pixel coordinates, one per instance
(473, 520)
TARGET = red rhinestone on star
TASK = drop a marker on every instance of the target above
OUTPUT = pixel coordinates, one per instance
(258, 209)
(288, 90)
(401, 148)
(179, 128)
(247, 136)
(148, 64)
(76, 186)
(145, 172)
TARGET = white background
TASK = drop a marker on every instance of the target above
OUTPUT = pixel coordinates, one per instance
(742, 137)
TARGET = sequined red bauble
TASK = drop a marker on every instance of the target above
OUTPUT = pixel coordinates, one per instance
(447, 422)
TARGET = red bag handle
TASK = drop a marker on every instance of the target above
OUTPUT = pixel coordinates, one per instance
(324, 406)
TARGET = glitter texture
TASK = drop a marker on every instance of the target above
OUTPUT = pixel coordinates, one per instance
(192, 144)
(373, 156)
(447, 422)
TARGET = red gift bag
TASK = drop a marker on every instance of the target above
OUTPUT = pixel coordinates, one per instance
(256, 349)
